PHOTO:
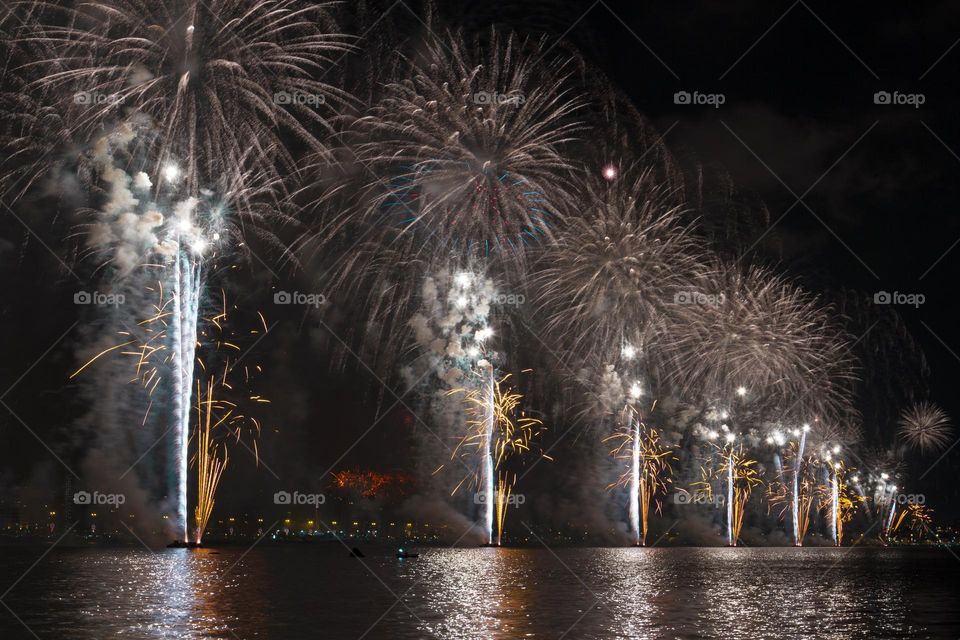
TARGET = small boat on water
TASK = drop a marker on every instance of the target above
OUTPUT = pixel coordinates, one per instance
(406, 554)
(179, 544)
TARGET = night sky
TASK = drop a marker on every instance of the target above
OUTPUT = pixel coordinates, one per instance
(859, 196)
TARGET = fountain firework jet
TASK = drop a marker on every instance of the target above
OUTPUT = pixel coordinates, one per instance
(797, 538)
(835, 524)
(164, 348)
(731, 539)
(186, 304)
(726, 464)
(635, 479)
(487, 471)
(501, 431)
(210, 466)
(893, 509)
(647, 470)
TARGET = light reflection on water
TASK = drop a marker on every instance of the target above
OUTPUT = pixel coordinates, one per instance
(312, 591)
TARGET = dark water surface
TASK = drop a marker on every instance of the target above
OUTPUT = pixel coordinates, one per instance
(316, 591)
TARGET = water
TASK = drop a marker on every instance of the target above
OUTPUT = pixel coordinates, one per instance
(316, 591)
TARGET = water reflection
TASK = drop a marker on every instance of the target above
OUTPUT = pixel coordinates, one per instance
(318, 591)
(473, 593)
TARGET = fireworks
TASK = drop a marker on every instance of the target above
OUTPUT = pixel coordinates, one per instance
(471, 139)
(836, 500)
(730, 467)
(617, 267)
(499, 430)
(157, 355)
(759, 331)
(794, 490)
(647, 476)
(222, 82)
(919, 516)
(210, 464)
(370, 484)
(925, 426)
(478, 166)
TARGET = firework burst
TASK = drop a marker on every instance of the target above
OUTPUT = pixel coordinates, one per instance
(617, 268)
(471, 146)
(925, 426)
(224, 83)
(765, 334)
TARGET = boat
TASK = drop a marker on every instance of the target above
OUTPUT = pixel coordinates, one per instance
(406, 554)
(178, 544)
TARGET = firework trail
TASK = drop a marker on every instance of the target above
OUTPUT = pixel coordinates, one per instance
(836, 498)
(452, 331)
(160, 352)
(731, 538)
(836, 526)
